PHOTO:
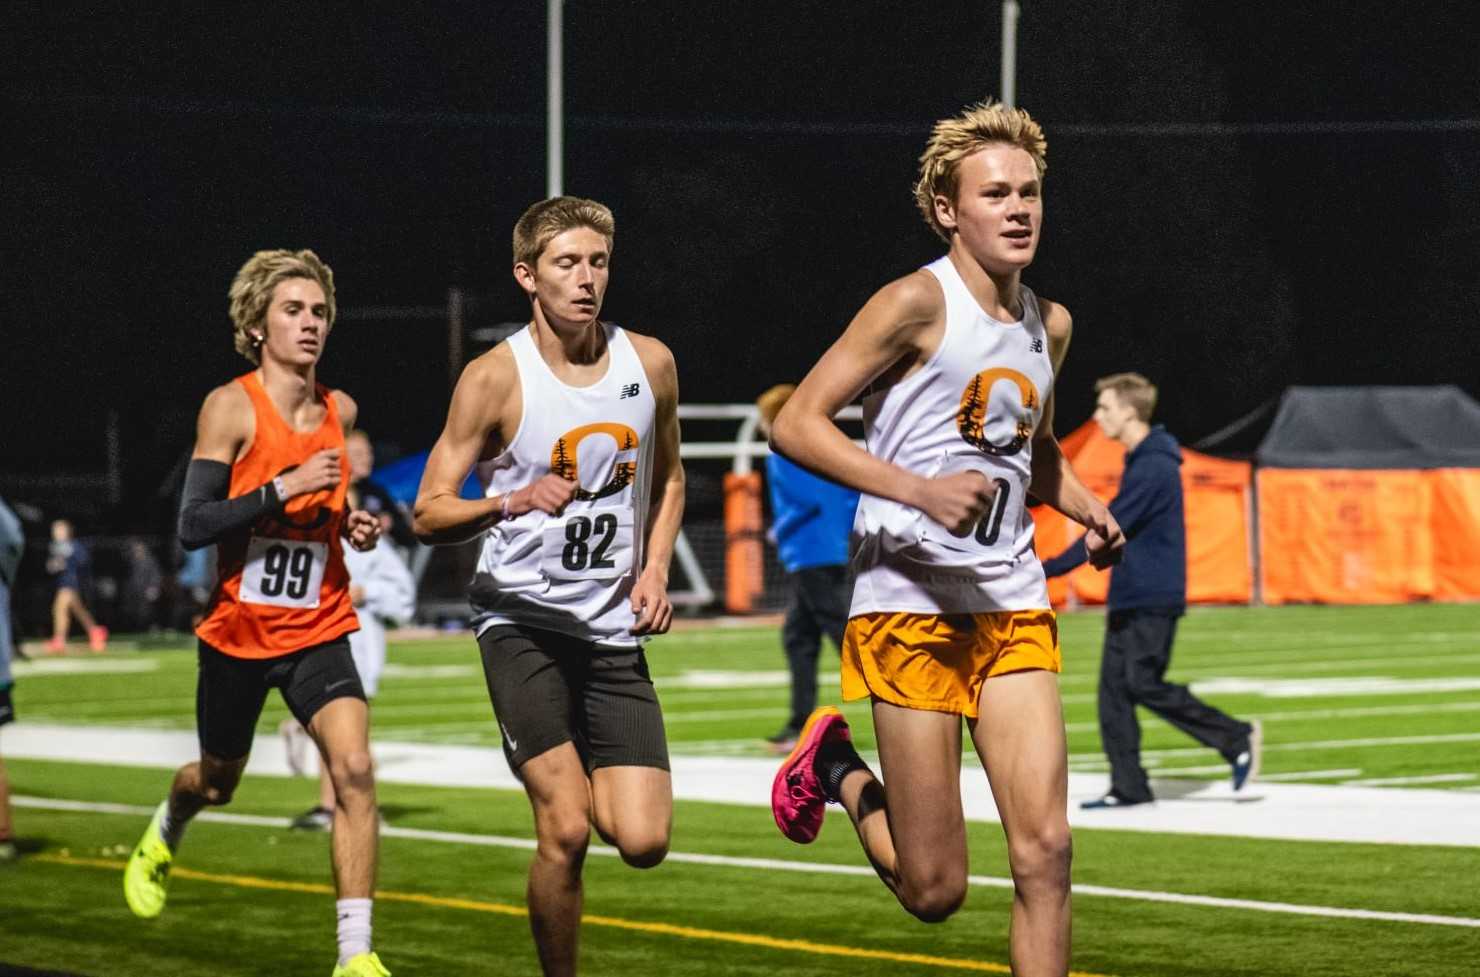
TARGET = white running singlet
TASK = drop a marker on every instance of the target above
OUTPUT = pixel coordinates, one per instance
(571, 573)
(974, 405)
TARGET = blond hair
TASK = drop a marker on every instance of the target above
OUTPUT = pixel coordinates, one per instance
(956, 138)
(1132, 389)
(252, 288)
(538, 225)
(771, 402)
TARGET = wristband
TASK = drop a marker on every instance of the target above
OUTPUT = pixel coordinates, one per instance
(504, 508)
(281, 488)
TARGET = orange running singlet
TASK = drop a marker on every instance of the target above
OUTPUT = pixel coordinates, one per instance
(281, 583)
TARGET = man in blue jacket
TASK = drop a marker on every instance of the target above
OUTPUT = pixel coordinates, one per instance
(1148, 593)
(12, 542)
(811, 522)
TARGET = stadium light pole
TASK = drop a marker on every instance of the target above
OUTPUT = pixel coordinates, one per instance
(554, 98)
(1010, 11)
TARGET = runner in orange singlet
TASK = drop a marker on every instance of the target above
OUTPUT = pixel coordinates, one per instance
(267, 485)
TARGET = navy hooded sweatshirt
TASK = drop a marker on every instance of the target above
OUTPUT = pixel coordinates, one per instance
(1148, 507)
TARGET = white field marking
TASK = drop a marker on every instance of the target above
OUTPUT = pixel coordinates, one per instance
(669, 718)
(1358, 685)
(1333, 653)
(786, 865)
(1290, 667)
(1329, 637)
(67, 711)
(83, 666)
(1353, 712)
(1310, 745)
(1313, 715)
(1299, 775)
(737, 679)
(1172, 772)
(1433, 778)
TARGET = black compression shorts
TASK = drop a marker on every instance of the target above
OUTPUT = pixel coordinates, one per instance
(548, 689)
(230, 691)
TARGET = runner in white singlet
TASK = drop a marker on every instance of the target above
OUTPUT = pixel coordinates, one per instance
(950, 614)
(572, 425)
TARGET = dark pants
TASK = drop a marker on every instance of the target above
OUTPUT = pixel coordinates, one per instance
(817, 605)
(1138, 649)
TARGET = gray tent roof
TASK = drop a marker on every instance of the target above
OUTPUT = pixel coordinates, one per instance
(1373, 427)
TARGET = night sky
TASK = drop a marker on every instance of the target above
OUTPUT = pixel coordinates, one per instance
(1239, 197)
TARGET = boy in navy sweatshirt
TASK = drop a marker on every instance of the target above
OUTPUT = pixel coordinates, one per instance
(1148, 593)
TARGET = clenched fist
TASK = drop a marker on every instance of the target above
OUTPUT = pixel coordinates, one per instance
(957, 501)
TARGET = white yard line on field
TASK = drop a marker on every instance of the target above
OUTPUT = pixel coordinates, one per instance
(82, 666)
(787, 865)
(1299, 715)
(1300, 776)
(1433, 778)
(1306, 812)
(1289, 667)
(1309, 745)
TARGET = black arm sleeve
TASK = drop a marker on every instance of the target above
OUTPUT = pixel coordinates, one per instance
(206, 514)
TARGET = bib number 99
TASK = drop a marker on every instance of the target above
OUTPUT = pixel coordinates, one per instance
(283, 572)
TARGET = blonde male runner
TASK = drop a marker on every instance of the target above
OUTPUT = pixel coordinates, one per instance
(572, 424)
(267, 487)
(950, 616)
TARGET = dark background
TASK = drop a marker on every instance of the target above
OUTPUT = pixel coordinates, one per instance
(1240, 196)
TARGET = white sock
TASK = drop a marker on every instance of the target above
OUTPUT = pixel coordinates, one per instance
(354, 927)
(169, 829)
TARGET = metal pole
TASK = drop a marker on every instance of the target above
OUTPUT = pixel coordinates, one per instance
(1010, 11)
(554, 107)
(456, 329)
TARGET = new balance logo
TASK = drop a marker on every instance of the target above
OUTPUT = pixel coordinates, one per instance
(1037, 346)
(630, 390)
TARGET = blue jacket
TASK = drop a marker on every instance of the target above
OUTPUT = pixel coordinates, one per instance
(1148, 507)
(812, 517)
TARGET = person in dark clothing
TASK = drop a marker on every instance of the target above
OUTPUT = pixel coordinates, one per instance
(12, 543)
(373, 497)
(811, 520)
(69, 561)
(1148, 593)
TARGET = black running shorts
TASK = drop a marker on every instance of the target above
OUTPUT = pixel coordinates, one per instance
(548, 689)
(230, 691)
(7, 706)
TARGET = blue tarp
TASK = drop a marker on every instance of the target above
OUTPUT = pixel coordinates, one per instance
(402, 477)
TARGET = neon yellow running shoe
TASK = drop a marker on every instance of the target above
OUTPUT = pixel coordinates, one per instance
(362, 965)
(148, 872)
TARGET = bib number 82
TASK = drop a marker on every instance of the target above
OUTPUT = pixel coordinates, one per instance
(579, 552)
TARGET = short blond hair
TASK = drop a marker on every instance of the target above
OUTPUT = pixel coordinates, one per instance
(771, 402)
(952, 140)
(548, 218)
(252, 288)
(1133, 389)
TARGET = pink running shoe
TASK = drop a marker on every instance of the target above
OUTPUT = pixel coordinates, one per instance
(97, 638)
(797, 798)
